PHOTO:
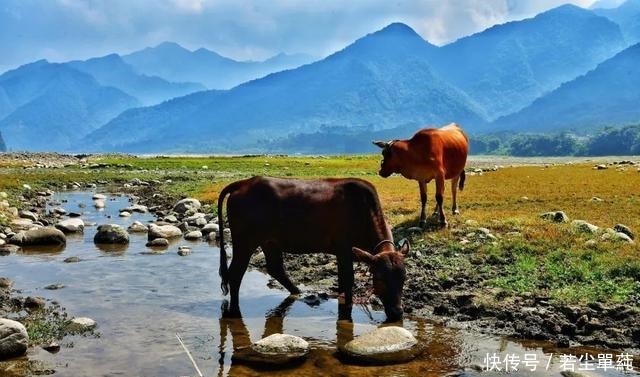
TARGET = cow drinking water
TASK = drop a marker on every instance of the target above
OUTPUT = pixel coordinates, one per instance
(432, 153)
(342, 217)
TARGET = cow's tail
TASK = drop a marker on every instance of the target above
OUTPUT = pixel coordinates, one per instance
(223, 271)
(463, 176)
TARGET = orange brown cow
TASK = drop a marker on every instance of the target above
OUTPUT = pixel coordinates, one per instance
(432, 153)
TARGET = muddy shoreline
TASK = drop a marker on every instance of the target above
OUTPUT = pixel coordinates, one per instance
(461, 301)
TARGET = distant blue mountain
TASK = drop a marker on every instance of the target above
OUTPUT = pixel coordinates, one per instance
(175, 63)
(51, 106)
(607, 96)
(111, 70)
(506, 67)
(382, 80)
(627, 15)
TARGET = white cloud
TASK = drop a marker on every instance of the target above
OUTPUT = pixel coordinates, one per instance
(243, 29)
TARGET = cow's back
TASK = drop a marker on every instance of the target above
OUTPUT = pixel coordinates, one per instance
(300, 215)
(447, 147)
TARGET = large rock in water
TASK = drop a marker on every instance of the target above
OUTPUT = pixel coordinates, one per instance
(276, 349)
(164, 231)
(187, 204)
(13, 339)
(111, 234)
(384, 345)
(73, 225)
(48, 236)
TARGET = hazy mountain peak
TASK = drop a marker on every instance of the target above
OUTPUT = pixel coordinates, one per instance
(397, 28)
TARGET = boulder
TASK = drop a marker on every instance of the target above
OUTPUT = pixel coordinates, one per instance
(99, 197)
(22, 224)
(158, 242)
(624, 229)
(183, 251)
(555, 216)
(125, 214)
(584, 227)
(210, 228)
(73, 259)
(111, 234)
(171, 219)
(188, 204)
(193, 236)
(73, 225)
(384, 345)
(281, 343)
(13, 339)
(81, 324)
(136, 208)
(34, 303)
(99, 204)
(6, 283)
(137, 227)
(164, 231)
(24, 214)
(47, 236)
(276, 349)
(59, 211)
(8, 249)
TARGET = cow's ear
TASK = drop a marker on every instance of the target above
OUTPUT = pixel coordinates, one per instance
(404, 249)
(362, 256)
(381, 144)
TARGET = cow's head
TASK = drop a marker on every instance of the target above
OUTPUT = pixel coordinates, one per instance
(390, 160)
(388, 271)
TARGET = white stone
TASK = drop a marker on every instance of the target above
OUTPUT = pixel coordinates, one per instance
(281, 344)
(14, 339)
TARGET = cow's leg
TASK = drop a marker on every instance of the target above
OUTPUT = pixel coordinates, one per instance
(454, 194)
(440, 197)
(275, 267)
(345, 284)
(241, 256)
(423, 201)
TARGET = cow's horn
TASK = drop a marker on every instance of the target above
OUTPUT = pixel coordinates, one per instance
(381, 144)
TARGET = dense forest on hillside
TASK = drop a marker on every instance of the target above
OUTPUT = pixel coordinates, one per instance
(608, 141)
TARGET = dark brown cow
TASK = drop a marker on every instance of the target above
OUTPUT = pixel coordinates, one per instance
(342, 217)
(432, 153)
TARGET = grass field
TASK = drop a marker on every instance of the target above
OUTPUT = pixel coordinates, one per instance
(544, 258)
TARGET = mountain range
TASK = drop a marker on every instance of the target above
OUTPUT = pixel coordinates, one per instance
(566, 68)
(176, 63)
(609, 94)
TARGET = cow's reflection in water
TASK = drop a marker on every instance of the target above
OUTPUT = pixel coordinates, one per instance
(274, 323)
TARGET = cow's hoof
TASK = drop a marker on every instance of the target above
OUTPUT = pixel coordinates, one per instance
(423, 223)
(231, 313)
(456, 212)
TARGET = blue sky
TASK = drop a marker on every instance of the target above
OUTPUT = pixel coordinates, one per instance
(61, 30)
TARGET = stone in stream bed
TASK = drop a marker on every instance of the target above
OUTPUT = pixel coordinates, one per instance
(183, 251)
(188, 204)
(81, 324)
(74, 225)
(158, 242)
(193, 235)
(137, 227)
(8, 249)
(47, 236)
(73, 259)
(111, 234)
(276, 349)
(164, 231)
(13, 339)
(384, 345)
